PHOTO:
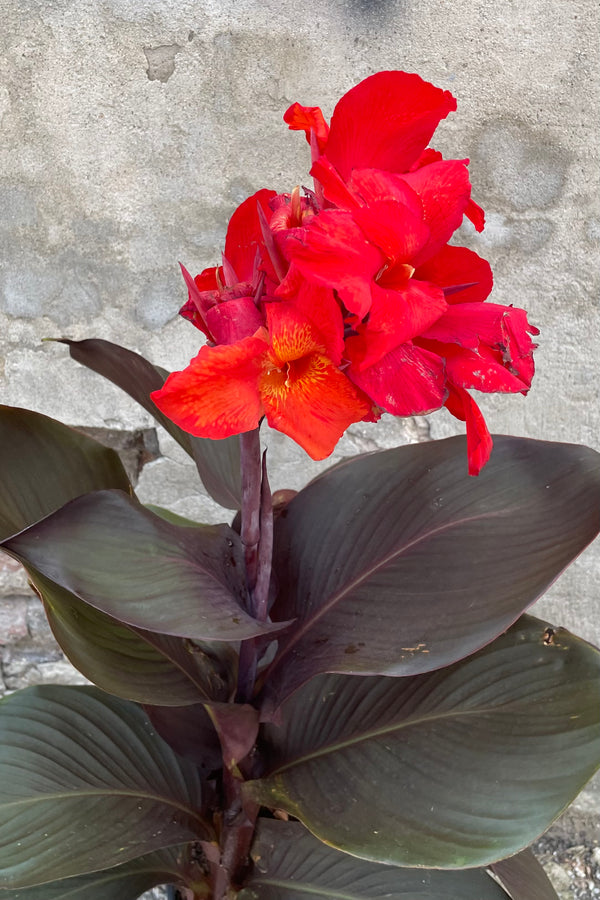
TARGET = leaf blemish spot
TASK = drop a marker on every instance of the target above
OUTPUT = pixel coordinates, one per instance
(548, 637)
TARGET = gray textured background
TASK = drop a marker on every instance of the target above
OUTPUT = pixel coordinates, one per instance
(130, 130)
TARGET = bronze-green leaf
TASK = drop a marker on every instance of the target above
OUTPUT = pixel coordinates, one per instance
(524, 878)
(123, 882)
(458, 767)
(291, 864)
(85, 784)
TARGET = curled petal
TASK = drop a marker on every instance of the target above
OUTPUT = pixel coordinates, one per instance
(217, 394)
(307, 119)
(481, 370)
(475, 213)
(479, 440)
(313, 402)
(408, 381)
(503, 329)
(385, 122)
(470, 324)
(334, 187)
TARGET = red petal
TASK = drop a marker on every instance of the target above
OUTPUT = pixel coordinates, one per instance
(334, 188)
(307, 119)
(453, 267)
(482, 370)
(371, 185)
(385, 122)
(476, 215)
(518, 354)
(479, 439)
(320, 308)
(312, 402)
(393, 228)
(395, 318)
(504, 330)
(428, 156)
(244, 235)
(205, 281)
(217, 394)
(333, 251)
(234, 320)
(198, 302)
(408, 381)
(468, 324)
(444, 190)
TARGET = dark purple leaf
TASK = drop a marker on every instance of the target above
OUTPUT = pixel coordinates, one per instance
(398, 562)
(44, 464)
(133, 663)
(125, 882)
(190, 732)
(237, 727)
(524, 878)
(138, 568)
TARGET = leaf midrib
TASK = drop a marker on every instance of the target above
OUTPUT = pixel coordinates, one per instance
(338, 746)
(97, 792)
(310, 622)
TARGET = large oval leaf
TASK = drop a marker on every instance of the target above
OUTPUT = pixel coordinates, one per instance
(218, 462)
(44, 464)
(133, 663)
(124, 882)
(458, 767)
(399, 562)
(85, 783)
(119, 557)
(291, 864)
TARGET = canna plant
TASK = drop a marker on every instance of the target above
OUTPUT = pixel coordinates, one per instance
(339, 694)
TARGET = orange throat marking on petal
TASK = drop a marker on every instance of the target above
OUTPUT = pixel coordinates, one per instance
(279, 377)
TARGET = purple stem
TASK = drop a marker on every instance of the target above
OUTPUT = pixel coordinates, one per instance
(251, 491)
(265, 548)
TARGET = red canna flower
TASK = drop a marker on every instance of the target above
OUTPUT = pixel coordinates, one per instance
(334, 306)
(287, 372)
(418, 333)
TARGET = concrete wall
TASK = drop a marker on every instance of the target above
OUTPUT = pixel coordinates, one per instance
(130, 130)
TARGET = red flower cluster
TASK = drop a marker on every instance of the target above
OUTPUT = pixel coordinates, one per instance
(336, 304)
